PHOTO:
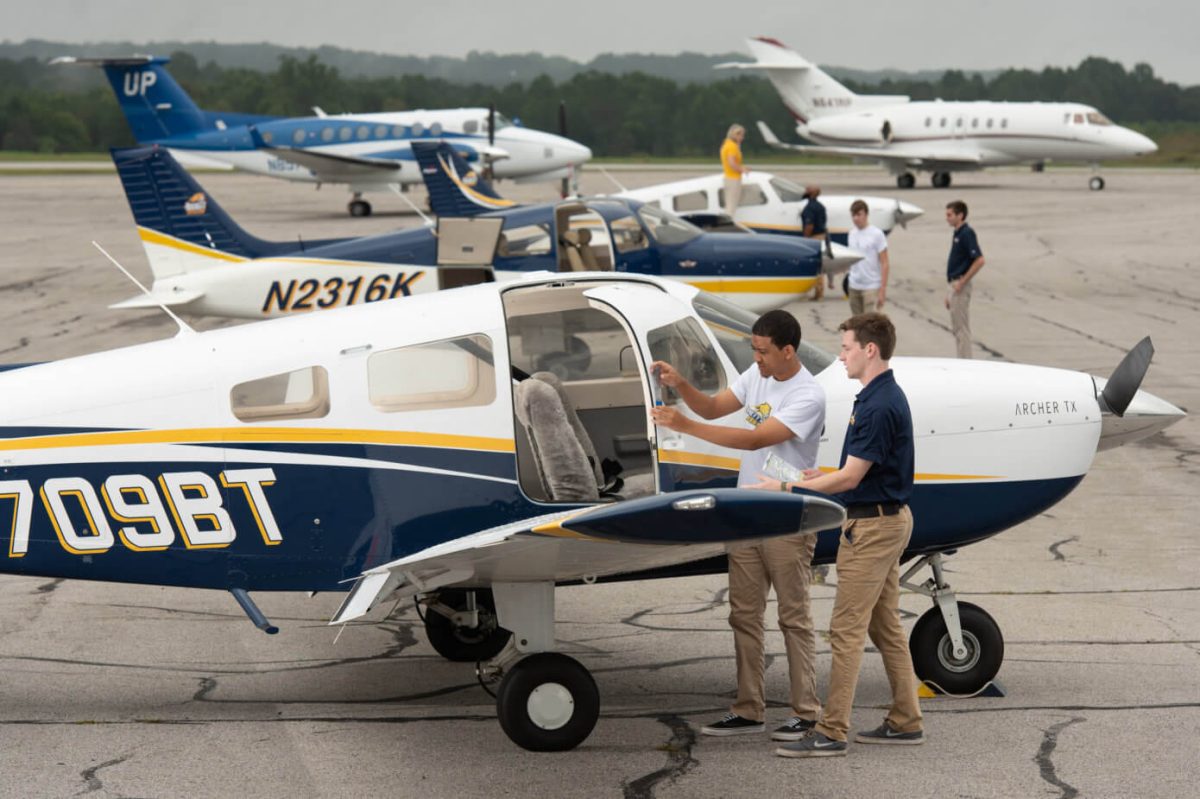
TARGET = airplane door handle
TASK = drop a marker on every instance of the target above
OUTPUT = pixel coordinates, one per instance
(688, 264)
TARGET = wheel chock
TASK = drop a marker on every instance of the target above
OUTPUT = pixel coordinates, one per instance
(927, 689)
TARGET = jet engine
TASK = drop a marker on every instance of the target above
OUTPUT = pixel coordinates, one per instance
(852, 128)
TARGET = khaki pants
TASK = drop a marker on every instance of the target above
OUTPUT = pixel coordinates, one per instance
(786, 564)
(960, 319)
(863, 300)
(868, 603)
(733, 194)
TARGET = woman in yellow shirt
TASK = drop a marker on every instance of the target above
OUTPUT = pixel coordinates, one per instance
(731, 164)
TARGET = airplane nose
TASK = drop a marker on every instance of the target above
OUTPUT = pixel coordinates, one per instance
(1145, 145)
(576, 153)
(836, 258)
(907, 212)
(1145, 416)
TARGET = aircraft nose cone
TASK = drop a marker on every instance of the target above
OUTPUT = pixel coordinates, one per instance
(1145, 145)
(576, 153)
(835, 258)
(1145, 416)
(906, 212)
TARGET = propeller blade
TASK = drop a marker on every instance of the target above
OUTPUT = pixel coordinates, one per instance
(1126, 378)
(562, 118)
(491, 123)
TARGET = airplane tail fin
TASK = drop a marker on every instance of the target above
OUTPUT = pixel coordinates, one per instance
(181, 226)
(455, 189)
(807, 90)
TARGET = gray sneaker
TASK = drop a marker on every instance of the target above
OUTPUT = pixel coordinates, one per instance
(733, 724)
(886, 734)
(793, 729)
(814, 744)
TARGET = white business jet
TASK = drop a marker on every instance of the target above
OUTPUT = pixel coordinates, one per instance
(934, 136)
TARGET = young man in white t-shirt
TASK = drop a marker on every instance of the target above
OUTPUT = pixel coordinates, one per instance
(868, 277)
(785, 409)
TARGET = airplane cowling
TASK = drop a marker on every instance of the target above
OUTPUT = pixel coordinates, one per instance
(857, 128)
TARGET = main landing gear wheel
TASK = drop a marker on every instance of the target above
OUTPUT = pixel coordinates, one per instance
(906, 181)
(548, 702)
(359, 208)
(1096, 183)
(940, 180)
(933, 654)
(460, 642)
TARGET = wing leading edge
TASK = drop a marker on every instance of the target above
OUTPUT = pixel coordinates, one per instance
(650, 532)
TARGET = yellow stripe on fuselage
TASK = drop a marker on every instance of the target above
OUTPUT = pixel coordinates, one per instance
(698, 459)
(931, 476)
(756, 285)
(149, 236)
(289, 435)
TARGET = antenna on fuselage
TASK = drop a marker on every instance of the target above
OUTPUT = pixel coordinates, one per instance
(184, 327)
(412, 205)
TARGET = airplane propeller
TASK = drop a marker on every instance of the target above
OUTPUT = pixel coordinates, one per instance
(572, 173)
(491, 131)
(1125, 380)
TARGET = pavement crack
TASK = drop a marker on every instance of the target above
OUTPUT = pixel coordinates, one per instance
(207, 686)
(1046, 765)
(1054, 548)
(679, 760)
(94, 783)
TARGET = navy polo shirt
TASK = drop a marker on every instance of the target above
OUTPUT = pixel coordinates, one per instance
(814, 214)
(964, 250)
(881, 432)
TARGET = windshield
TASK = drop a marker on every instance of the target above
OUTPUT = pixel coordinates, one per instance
(666, 228)
(1096, 118)
(788, 191)
(731, 325)
(501, 122)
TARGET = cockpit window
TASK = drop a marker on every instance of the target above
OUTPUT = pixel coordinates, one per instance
(731, 324)
(501, 121)
(1096, 118)
(788, 191)
(666, 228)
(627, 234)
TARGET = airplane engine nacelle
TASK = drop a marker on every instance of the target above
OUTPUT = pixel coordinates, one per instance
(852, 129)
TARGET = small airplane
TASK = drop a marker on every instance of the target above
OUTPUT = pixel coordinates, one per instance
(771, 204)
(934, 136)
(415, 451)
(204, 263)
(370, 152)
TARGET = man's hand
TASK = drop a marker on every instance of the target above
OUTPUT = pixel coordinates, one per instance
(879, 300)
(668, 417)
(766, 483)
(667, 375)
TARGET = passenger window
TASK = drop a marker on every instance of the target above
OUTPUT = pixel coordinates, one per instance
(327, 135)
(435, 129)
(363, 132)
(418, 129)
(752, 194)
(470, 126)
(959, 122)
(381, 131)
(943, 122)
(345, 133)
(684, 345)
(302, 394)
(628, 235)
(1004, 123)
(522, 241)
(928, 122)
(397, 131)
(298, 136)
(975, 123)
(576, 344)
(456, 373)
(692, 201)
(989, 123)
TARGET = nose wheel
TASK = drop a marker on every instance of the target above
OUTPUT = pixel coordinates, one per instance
(359, 207)
(1096, 183)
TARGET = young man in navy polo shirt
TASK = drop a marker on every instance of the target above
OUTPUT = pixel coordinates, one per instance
(965, 260)
(874, 482)
(814, 225)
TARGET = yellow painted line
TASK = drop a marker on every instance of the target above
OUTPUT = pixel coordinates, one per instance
(291, 435)
(149, 236)
(764, 285)
(698, 459)
(765, 226)
(928, 476)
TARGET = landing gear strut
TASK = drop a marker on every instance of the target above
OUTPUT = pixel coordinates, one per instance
(358, 206)
(906, 181)
(461, 625)
(940, 180)
(955, 645)
(546, 701)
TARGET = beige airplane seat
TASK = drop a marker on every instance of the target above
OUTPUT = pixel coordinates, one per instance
(590, 264)
(569, 242)
(563, 468)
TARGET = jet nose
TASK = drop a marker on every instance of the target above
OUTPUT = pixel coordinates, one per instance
(1136, 144)
(1145, 416)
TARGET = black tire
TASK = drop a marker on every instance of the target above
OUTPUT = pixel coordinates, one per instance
(562, 677)
(360, 208)
(1096, 183)
(466, 644)
(932, 654)
(906, 181)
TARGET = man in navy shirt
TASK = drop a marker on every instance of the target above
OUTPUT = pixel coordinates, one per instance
(965, 260)
(874, 482)
(814, 226)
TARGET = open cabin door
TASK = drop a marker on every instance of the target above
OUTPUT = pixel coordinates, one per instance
(466, 249)
(666, 329)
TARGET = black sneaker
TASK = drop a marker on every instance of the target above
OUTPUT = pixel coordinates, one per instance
(885, 734)
(793, 730)
(814, 744)
(733, 724)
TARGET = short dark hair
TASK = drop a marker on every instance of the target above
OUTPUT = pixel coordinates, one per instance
(873, 328)
(958, 207)
(859, 205)
(779, 326)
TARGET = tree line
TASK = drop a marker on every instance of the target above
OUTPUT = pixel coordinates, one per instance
(618, 115)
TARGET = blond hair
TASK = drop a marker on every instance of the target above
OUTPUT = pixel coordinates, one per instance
(734, 129)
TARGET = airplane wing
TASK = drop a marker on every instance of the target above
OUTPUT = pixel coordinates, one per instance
(636, 534)
(155, 299)
(912, 157)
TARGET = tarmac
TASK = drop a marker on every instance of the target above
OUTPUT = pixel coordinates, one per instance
(116, 690)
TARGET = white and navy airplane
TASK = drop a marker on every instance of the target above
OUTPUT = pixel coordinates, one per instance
(203, 262)
(413, 450)
(770, 204)
(934, 136)
(370, 152)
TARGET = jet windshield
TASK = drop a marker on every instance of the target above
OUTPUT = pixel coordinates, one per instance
(665, 227)
(1096, 118)
(731, 325)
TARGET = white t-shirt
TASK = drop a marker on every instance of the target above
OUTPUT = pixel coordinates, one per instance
(798, 402)
(865, 275)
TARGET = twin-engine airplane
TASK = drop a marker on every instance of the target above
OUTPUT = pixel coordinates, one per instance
(370, 152)
(204, 263)
(413, 450)
(938, 137)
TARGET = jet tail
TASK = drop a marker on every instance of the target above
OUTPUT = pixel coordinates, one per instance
(155, 106)
(181, 226)
(455, 189)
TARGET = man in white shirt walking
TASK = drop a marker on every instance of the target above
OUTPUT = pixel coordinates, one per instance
(784, 407)
(868, 277)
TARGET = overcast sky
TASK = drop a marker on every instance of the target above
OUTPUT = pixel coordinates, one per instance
(866, 34)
